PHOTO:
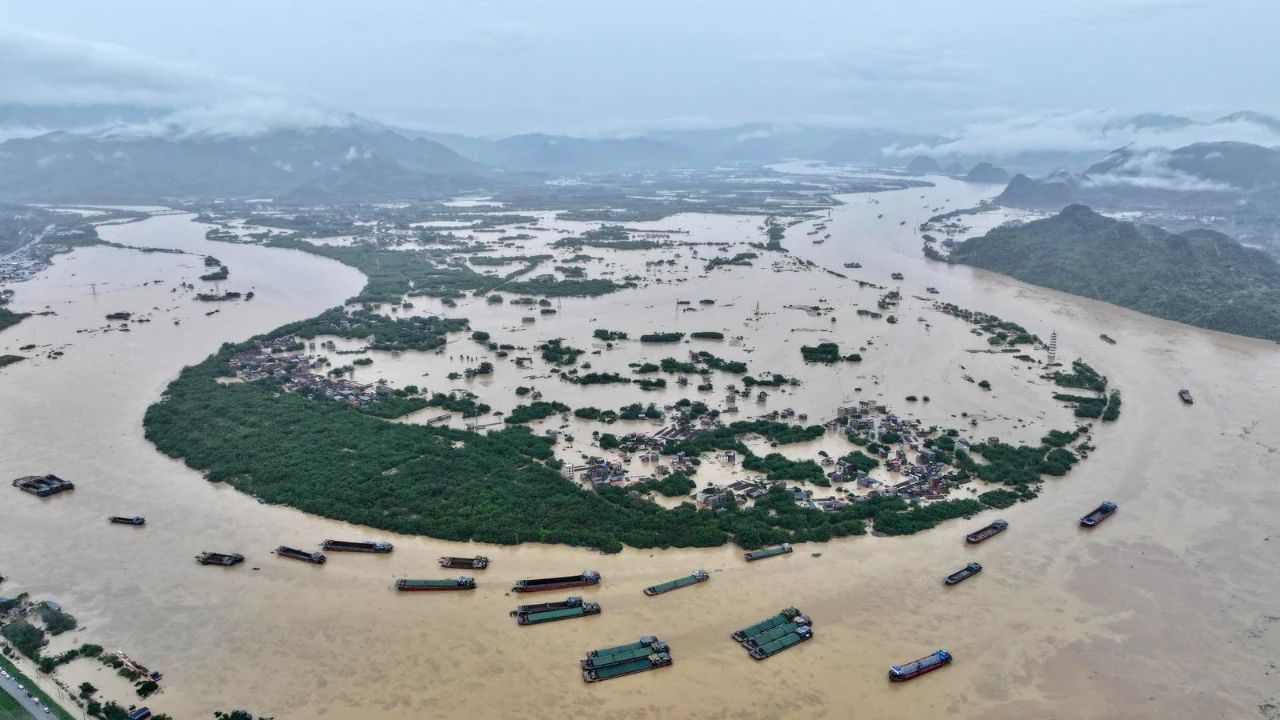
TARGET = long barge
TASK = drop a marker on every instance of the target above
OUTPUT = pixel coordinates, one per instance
(1100, 513)
(782, 642)
(916, 668)
(367, 546)
(588, 577)
(43, 485)
(697, 576)
(223, 559)
(781, 618)
(643, 664)
(768, 552)
(314, 558)
(987, 532)
(572, 608)
(604, 657)
(963, 574)
(461, 583)
(120, 520)
(479, 562)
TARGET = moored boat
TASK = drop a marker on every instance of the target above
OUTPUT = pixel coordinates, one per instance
(573, 607)
(768, 552)
(43, 485)
(604, 657)
(1185, 395)
(963, 574)
(1100, 513)
(1107, 338)
(697, 576)
(120, 520)
(314, 558)
(781, 642)
(987, 532)
(223, 559)
(588, 577)
(367, 546)
(651, 662)
(767, 624)
(853, 265)
(479, 562)
(916, 668)
(461, 583)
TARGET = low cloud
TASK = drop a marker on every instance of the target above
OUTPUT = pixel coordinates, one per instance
(1151, 170)
(1084, 132)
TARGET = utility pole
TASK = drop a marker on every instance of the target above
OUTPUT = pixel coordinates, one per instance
(1053, 347)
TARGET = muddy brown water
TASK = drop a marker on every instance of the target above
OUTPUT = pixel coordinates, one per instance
(1168, 609)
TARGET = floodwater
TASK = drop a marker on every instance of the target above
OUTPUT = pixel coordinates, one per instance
(1168, 609)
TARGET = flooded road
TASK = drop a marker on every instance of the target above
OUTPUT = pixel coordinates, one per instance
(1169, 609)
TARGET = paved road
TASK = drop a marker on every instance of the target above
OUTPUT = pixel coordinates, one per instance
(33, 706)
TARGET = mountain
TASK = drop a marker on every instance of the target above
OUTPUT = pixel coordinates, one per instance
(923, 165)
(1199, 277)
(985, 172)
(120, 167)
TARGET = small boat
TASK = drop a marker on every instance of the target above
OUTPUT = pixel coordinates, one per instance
(786, 640)
(588, 577)
(1185, 395)
(987, 532)
(1102, 512)
(368, 546)
(916, 668)
(897, 276)
(462, 583)
(768, 552)
(314, 558)
(853, 265)
(479, 562)
(963, 574)
(135, 520)
(697, 576)
(213, 558)
(931, 290)
(1107, 338)
(767, 624)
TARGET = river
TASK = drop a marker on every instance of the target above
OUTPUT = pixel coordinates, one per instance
(1169, 609)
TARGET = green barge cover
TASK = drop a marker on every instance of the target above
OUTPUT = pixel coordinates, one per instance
(769, 636)
(624, 656)
(782, 643)
(773, 622)
(676, 584)
(644, 642)
(561, 614)
(647, 662)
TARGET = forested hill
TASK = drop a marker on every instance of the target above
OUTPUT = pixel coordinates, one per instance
(1198, 277)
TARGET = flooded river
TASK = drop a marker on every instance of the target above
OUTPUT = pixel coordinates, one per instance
(1169, 609)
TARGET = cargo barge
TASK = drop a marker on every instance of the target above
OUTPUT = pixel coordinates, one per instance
(368, 546)
(43, 485)
(135, 520)
(1107, 339)
(314, 558)
(1102, 512)
(987, 532)
(648, 645)
(225, 560)
(588, 577)
(462, 583)
(479, 562)
(1185, 395)
(783, 641)
(765, 553)
(781, 618)
(916, 668)
(571, 608)
(963, 574)
(643, 664)
(698, 576)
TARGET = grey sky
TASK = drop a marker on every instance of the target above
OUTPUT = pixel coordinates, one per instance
(602, 67)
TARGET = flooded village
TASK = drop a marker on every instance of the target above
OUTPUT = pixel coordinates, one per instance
(928, 388)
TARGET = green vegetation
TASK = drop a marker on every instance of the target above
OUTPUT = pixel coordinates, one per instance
(779, 467)
(57, 710)
(557, 353)
(1198, 277)
(608, 335)
(673, 485)
(999, 498)
(9, 318)
(609, 237)
(735, 367)
(595, 378)
(826, 353)
(56, 621)
(662, 337)
(24, 636)
(860, 461)
(565, 288)
(535, 411)
(707, 335)
(10, 359)
(382, 332)
(743, 259)
(464, 403)
(222, 273)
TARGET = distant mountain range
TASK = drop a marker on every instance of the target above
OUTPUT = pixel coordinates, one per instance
(1198, 277)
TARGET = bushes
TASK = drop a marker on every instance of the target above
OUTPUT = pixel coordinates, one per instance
(24, 636)
(608, 335)
(999, 498)
(535, 411)
(776, 466)
(55, 620)
(826, 353)
(858, 461)
(923, 517)
(707, 335)
(662, 337)
(557, 353)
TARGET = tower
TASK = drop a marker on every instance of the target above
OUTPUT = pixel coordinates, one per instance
(1053, 347)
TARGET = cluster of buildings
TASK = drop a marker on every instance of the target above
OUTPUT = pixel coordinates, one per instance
(925, 476)
(281, 359)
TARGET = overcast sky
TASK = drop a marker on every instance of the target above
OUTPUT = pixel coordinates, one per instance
(605, 67)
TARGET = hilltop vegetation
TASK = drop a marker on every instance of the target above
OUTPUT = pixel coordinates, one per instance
(1198, 277)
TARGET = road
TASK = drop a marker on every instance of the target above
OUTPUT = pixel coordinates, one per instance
(39, 236)
(31, 705)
